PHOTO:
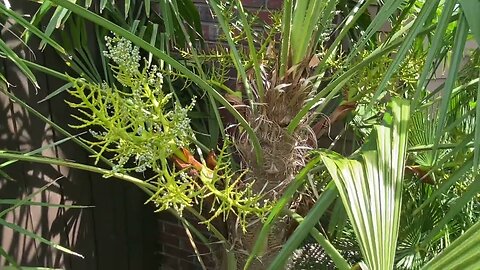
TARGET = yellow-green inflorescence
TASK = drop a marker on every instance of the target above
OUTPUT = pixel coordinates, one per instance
(138, 128)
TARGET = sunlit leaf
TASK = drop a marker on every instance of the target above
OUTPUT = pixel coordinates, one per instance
(463, 253)
(470, 9)
(371, 187)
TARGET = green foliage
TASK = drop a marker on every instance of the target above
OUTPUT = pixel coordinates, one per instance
(137, 122)
(461, 254)
(299, 257)
(414, 227)
(311, 257)
(371, 187)
(363, 84)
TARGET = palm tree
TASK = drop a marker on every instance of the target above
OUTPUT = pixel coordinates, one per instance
(303, 69)
(285, 84)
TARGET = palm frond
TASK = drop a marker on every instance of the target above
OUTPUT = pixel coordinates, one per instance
(461, 254)
(371, 188)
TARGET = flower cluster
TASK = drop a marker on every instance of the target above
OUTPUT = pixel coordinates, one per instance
(139, 127)
(135, 124)
(129, 127)
(123, 54)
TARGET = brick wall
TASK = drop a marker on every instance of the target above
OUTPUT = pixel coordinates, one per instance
(211, 30)
(176, 252)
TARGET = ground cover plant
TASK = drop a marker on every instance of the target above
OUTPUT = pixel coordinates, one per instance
(398, 197)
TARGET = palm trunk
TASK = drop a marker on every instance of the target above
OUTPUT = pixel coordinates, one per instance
(284, 156)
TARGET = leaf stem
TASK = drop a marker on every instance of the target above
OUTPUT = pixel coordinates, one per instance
(71, 164)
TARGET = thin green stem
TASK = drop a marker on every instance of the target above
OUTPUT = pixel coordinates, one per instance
(429, 147)
(285, 46)
(330, 249)
(84, 167)
(252, 51)
(54, 125)
(169, 60)
(279, 207)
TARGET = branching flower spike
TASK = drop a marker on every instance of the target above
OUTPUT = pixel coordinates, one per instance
(139, 127)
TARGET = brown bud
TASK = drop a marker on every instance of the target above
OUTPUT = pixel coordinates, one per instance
(211, 160)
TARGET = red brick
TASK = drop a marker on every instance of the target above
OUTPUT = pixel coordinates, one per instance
(177, 252)
(186, 265)
(166, 216)
(265, 16)
(274, 4)
(169, 262)
(210, 31)
(174, 228)
(253, 3)
(206, 14)
(169, 238)
(202, 248)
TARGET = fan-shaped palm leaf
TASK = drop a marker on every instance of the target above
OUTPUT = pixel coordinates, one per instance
(371, 187)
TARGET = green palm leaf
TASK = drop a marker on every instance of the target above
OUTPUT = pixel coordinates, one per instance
(371, 186)
(169, 60)
(463, 253)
